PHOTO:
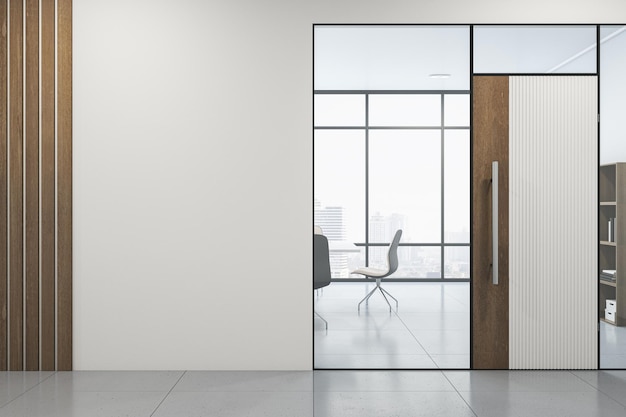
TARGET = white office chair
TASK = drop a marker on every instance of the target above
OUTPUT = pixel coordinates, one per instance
(379, 274)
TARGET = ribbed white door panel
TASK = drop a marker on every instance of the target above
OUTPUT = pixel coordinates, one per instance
(553, 222)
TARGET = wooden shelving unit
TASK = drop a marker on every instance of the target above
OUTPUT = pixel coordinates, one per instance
(613, 253)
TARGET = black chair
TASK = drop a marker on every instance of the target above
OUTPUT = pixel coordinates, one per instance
(379, 274)
(321, 266)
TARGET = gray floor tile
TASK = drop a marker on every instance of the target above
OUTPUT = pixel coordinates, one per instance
(363, 322)
(351, 361)
(350, 305)
(237, 404)
(452, 361)
(390, 381)
(52, 403)
(388, 342)
(542, 404)
(114, 381)
(432, 320)
(425, 305)
(444, 342)
(396, 404)
(436, 321)
(429, 290)
(517, 381)
(317, 394)
(197, 381)
(612, 383)
(612, 346)
(14, 384)
(612, 361)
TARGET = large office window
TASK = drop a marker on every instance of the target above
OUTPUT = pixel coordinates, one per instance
(391, 147)
(394, 160)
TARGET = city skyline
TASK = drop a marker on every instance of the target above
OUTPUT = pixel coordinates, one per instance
(416, 261)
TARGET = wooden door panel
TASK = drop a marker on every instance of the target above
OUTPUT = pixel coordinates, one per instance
(490, 317)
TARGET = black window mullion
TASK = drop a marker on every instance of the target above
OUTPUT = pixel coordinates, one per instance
(367, 185)
(442, 244)
(598, 65)
(442, 184)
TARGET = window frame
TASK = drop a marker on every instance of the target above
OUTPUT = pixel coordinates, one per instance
(442, 245)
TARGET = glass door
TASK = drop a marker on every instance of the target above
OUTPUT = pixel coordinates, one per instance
(535, 138)
(392, 152)
(612, 202)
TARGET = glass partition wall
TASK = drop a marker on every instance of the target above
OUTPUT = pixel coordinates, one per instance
(391, 143)
(545, 142)
(411, 149)
(534, 49)
(392, 151)
(612, 253)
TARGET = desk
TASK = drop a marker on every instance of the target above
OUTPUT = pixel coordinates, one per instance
(342, 247)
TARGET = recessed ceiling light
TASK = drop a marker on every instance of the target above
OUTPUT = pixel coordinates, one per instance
(440, 75)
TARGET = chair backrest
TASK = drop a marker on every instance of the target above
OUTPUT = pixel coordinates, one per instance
(321, 262)
(392, 254)
(317, 230)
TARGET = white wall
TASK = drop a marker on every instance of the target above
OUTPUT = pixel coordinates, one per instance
(193, 171)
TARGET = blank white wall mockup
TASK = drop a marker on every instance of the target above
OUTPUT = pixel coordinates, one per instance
(193, 171)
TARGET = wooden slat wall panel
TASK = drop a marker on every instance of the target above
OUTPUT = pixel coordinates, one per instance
(35, 185)
(16, 166)
(48, 233)
(3, 185)
(64, 196)
(490, 320)
(32, 185)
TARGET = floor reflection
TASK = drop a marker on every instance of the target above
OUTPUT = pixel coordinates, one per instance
(429, 330)
(612, 346)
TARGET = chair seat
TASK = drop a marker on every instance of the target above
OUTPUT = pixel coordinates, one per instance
(371, 272)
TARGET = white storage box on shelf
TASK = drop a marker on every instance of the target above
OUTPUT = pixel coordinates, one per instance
(609, 315)
(611, 305)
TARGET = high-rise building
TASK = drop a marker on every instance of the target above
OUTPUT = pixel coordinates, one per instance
(330, 219)
(381, 230)
(379, 233)
(378, 229)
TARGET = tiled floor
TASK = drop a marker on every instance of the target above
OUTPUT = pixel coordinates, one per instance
(429, 330)
(612, 346)
(314, 394)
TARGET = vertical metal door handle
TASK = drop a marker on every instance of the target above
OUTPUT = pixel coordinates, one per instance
(494, 221)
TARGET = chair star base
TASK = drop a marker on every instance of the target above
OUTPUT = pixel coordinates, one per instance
(322, 318)
(383, 292)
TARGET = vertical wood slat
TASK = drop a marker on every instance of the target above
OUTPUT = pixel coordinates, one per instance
(3, 185)
(25, 175)
(48, 348)
(553, 222)
(64, 183)
(32, 185)
(16, 287)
